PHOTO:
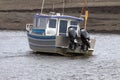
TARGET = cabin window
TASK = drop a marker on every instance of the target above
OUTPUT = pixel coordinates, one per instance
(52, 23)
(51, 29)
(35, 22)
(73, 23)
(41, 23)
(63, 26)
(75, 27)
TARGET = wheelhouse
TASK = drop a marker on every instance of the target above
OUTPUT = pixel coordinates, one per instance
(54, 25)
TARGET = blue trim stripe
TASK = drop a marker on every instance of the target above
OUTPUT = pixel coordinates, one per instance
(49, 46)
(41, 37)
(41, 40)
(38, 31)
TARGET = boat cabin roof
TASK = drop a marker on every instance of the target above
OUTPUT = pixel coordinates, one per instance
(59, 16)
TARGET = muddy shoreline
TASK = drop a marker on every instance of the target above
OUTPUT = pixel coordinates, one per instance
(101, 19)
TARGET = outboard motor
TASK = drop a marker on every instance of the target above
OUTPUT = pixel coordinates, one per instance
(85, 38)
(73, 36)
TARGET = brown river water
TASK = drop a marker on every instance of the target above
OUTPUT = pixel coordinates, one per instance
(18, 62)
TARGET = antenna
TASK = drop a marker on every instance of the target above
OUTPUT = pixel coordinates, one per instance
(83, 6)
(42, 6)
(63, 6)
(53, 7)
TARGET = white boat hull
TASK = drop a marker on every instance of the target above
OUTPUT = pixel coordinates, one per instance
(53, 44)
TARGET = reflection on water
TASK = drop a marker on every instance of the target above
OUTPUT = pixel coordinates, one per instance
(19, 63)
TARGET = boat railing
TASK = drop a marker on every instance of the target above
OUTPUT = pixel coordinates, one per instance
(82, 16)
(29, 27)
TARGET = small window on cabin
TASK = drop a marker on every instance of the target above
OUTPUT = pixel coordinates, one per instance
(41, 23)
(35, 22)
(52, 23)
(75, 27)
(63, 26)
(74, 24)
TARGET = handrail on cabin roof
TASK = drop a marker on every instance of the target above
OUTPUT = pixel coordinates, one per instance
(59, 16)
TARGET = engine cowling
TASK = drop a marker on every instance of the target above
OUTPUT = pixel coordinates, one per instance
(73, 38)
(85, 38)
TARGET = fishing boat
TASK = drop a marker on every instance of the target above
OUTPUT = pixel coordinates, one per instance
(58, 33)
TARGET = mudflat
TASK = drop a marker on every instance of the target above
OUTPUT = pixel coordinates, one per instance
(103, 14)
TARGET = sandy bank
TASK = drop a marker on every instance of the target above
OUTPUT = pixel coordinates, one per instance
(100, 19)
(103, 14)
